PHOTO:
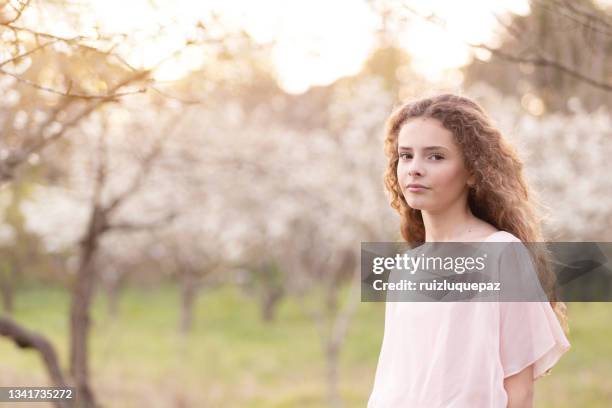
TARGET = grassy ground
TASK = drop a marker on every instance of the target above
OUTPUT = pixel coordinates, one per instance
(233, 359)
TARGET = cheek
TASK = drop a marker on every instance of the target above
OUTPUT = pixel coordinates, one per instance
(402, 170)
(399, 170)
(402, 176)
(449, 175)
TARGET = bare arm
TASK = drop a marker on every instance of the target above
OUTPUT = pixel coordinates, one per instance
(519, 388)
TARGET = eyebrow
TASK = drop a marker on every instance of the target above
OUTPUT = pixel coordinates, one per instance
(425, 148)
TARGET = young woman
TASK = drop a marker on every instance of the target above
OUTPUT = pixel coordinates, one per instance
(452, 177)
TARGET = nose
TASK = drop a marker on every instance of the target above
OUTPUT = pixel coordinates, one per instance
(414, 172)
(415, 168)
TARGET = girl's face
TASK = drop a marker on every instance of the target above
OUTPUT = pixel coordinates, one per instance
(429, 156)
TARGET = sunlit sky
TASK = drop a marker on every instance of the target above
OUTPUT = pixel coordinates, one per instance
(317, 41)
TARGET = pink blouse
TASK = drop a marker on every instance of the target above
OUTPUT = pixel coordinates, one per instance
(457, 354)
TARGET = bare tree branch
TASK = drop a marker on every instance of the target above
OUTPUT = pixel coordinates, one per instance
(541, 61)
(40, 141)
(18, 10)
(538, 59)
(25, 338)
(141, 226)
(562, 10)
(147, 163)
(27, 53)
(598, 19)
(67, 92)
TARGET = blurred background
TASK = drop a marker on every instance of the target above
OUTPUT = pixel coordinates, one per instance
(184, 185)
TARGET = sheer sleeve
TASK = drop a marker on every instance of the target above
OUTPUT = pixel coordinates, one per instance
(530, 332)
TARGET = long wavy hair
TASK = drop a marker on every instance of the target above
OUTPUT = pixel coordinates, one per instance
(500, 195)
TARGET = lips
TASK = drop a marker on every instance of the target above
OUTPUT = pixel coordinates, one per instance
(415, 185)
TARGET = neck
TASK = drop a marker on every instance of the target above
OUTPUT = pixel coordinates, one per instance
(452, 224)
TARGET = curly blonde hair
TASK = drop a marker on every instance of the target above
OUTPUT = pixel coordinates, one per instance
(500, 194)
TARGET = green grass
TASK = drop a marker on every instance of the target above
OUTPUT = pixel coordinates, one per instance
(234, 359)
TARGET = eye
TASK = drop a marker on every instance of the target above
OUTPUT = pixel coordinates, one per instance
(436, 156)
(405, 156)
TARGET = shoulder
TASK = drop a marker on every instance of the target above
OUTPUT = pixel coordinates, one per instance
(511, 250)
(505, 244)
(503, 236)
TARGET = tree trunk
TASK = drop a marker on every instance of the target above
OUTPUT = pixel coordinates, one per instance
(271, 298)
(332, 353)
(8, 279)
(113, 290)
(188, 296)
(340, 319)
(80, 324)
(6, 286)
(331, 346)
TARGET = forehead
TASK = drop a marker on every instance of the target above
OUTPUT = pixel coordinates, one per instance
(420, 132)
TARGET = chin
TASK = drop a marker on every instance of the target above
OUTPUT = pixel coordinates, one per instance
(415, 205)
